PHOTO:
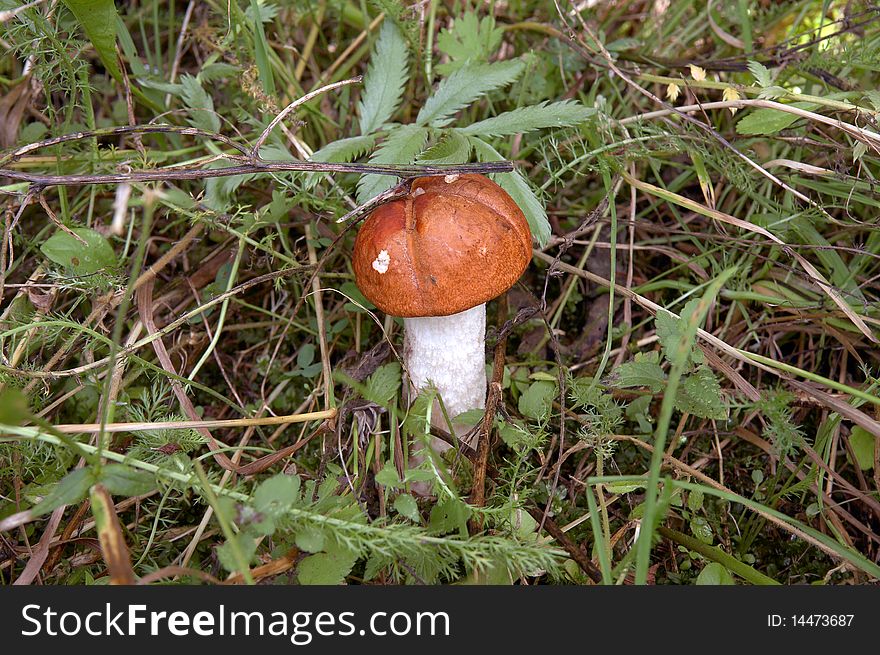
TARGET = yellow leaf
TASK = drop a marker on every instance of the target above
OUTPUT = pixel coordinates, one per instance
(697, 73)
(672, 91)
(730, 94)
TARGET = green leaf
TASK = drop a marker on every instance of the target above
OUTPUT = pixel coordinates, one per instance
(862, 443)
(385, 78)
(537, 400)
(310, 540)
(406, 505)
(760, 72)
(383, 384)
(715, 574)
(401, 147)
(94, 255)
(465, 86)
(452, 148)
(469, 40)
(261, 50)
(276, 494)
(14, 407)
(339, 151)
(643, 371)
(388, 477)
(700, 395)
(531, 118)
(247, 545)
(328, 568)
(520, 190)
(450, 515)
(98, 20)
(71, 489)
(766, 121)
(701, 529)
(672, 329)
(122, 480)
(202, 114)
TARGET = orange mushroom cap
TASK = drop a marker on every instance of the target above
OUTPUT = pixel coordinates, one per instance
(452, 243)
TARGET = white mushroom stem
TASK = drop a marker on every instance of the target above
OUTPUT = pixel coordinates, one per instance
(448, 352)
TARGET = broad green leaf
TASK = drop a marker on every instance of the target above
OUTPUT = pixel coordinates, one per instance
(700, 395)
(388, 477)
(14, 407)
(862, 443)
(701, 529)
(122, 480)
(202, 114)
(96, 254)
(767, 121)
(385, 78)
(465, 86)
(406, 505)
(98, 20)
(383, 384)
(71, 489)
(452, 148)
(520, 190)
(450, 515)
(310, 540)
(401, 147)
(247, 545)
(715, 574)
(276, 494)
(643, 371)
(537, 399)
(328, 568)
(531, 118)
(672, 329)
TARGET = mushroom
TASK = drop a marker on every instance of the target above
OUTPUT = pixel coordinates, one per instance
(434, 258)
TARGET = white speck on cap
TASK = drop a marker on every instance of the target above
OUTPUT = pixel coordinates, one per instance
(418, 192)
(449, 179)
(380, 264)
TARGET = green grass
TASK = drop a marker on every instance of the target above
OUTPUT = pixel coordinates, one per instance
(704, 287)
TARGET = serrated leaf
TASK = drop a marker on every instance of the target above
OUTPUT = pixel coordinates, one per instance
(383, 384)
(401, 147)
(520, 190)
(247, 545)
(96, 254)
(715, 574)
(537, 400)
(344, 150)
(468, 40)
(531, 118)
(862, 443)
(643, 371)
(71, 489)
(465, 86)
(385, 78)
(201, 105)
(406, 505)
(328, 568)
(760, 72)
(122, 480)
(764, 121)
(98, 20)
(700, 395)
(452, 148)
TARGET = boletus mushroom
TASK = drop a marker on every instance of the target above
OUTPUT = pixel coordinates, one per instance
(435, 257)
